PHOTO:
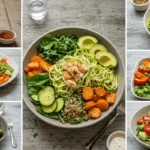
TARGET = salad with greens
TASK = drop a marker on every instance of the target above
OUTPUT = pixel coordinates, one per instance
(5, 71)
(143, 129)
(72, 79)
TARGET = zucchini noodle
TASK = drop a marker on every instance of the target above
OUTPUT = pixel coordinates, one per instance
(96, 76)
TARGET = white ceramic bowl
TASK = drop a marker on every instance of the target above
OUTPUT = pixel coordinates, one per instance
(4, 127)
(8, 41)
(114, 134)
(146, 19)
(132, 80)
(78, 32)
(142, 7)
(14, 65)
(133, 124)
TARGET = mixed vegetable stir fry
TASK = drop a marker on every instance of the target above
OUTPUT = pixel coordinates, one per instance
(72, 79)
(5, 71)
(143, 129)
(141, 79)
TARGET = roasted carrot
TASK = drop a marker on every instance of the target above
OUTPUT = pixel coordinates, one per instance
(94, 113)
(36, 59)
(30, 74)
(95, 98)
(40, 55)
(102, 104)
(26, 70)
(33, 65)
(47, 66)
(87, 93)
(111, 98)
(37, 71)
(100, 91)
(89, 105)
(3, 78)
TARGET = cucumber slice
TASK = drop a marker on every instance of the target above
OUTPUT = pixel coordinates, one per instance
(49, 109)
(60, 104)
(35, 97)
(46, 96)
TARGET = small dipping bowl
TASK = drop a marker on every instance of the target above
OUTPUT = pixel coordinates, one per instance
(140, 7)
(113, 135)
(8, 41)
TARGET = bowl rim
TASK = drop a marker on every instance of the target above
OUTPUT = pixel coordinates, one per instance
(141, 142)
(140, 4)
(119, 96)
(17, 70)
(132, 83)
(114, 133)
(148, 31)
(1, 139)
(13, 32)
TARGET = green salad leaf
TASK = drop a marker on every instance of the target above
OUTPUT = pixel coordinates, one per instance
(55, 48)
(6, 69)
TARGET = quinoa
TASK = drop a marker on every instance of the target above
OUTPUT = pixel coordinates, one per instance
(74, 111)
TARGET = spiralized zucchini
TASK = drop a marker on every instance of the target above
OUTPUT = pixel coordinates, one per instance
(96, 76)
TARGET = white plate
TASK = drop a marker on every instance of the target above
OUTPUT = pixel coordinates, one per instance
(14, 65)
(145, 20)
(133, 125)
(132, 80)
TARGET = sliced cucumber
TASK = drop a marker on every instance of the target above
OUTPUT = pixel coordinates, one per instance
(60, 104)
(49, 109)
(46, 96)
(35, 97)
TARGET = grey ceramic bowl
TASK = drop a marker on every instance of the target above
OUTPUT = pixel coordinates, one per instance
(132, 81)
(4, 127)
(139, 114)
(79, 32)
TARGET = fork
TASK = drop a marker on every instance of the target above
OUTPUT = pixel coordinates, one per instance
(13, 140)
(120, 112)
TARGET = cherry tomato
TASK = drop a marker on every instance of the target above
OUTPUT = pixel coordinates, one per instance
(140, 121)
(147, 129)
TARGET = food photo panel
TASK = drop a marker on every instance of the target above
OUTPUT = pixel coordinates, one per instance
(10, 74)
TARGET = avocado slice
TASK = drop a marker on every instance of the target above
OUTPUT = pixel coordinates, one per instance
(87, 42)
(106, 59)
(97, 48)
(143, 136)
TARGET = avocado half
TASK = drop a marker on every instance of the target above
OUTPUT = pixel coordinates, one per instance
(87, 42)
(97, 48)
(106, 59)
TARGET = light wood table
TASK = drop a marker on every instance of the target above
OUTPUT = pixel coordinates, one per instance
(10, 18)
(12, 91)
(14, 110)
(132, 108)
(137, 37)
(106, 17)
(133, 57)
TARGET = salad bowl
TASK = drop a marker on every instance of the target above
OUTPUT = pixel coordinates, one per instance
(4, 127)
(146, 20)
(132, 80)
(133, 124)
(14, 65)
(31, 51)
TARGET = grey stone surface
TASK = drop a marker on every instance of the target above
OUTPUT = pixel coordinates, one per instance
(12, 109)
(137, 37)
(12, 91)
(106, 17)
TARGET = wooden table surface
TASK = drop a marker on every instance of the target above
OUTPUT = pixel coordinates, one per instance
(10, 19)
(132, 108)
(81, 13)
(12, 91)
(137, 37)
(133, 57)
(13, 110)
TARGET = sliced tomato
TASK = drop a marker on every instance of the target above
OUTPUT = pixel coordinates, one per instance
(140, 78)
(145, 66)
(147, 129)
(140, 121)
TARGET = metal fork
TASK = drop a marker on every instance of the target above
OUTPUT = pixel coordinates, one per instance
(120, 112)
(10, 127)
